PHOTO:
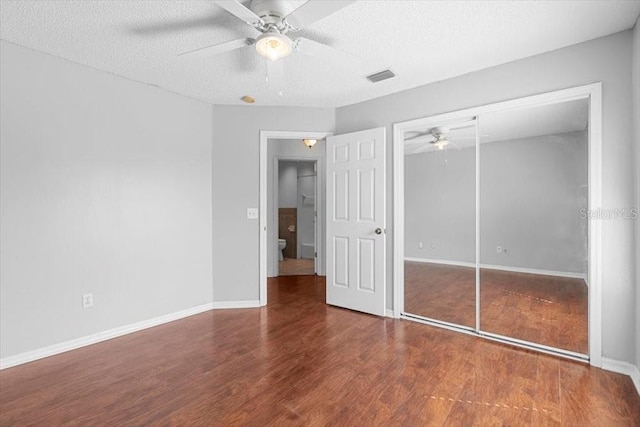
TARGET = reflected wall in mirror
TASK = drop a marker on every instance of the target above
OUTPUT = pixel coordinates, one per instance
(440, 223)
(533, 228)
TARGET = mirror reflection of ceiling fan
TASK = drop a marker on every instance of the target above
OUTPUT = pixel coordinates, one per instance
(436, 139)
(274, 19)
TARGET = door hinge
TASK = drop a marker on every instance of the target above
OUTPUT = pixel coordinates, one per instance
(315, 254)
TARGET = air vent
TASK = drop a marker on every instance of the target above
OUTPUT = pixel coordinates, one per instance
(382, 75)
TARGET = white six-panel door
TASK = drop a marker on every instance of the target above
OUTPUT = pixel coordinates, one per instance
(356, 221)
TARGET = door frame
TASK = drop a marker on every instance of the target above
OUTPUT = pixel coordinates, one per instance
(592, 92)
(317, 201)
(265, 135)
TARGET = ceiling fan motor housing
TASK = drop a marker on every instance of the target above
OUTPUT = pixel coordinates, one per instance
(272, 11)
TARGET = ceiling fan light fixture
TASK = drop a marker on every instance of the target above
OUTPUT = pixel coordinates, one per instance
(273, 45)
(309, 142)
(441, 143)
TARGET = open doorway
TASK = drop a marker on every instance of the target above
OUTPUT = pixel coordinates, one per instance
(297, 211)
(286, 148)
(351, 179)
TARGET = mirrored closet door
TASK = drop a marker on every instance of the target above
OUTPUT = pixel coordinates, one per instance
(533, 227)
(440, 222)
(496, 237)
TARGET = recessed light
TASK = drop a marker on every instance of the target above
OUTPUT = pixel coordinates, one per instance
(248, 99)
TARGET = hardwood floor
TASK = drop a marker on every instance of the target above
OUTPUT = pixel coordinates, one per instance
(441, 292)
(301, 362)
(296, 267)
(542, 309)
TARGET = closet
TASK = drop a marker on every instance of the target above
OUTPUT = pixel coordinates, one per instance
(495, 231)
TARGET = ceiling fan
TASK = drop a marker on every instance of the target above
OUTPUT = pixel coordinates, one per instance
(274, 19)
(436, 138)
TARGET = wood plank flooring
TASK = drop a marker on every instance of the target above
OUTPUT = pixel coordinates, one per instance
(541, 309)
(301, 362)
(296, 267)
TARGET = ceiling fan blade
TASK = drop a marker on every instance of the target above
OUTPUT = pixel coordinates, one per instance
(420, 139)
(238, 9)
(468, 137)
(323, 51)
(418, 150)
(314, 10)
(216, 49)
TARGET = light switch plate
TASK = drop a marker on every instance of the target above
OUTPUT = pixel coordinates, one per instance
(252, 213)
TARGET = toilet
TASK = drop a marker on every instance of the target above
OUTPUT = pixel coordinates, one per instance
(281, 245)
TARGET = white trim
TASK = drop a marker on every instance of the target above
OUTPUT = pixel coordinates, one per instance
(593, 92)
(625, 368)
(441, 261)
(595, 227)
(477, 218)
(265, 135)
(398, 220)
(218, 305)
(548, 98)
(567, 274)
(389, 313)
(62, 347)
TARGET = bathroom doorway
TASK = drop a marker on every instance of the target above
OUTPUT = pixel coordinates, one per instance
(294, 192)
(297, 213)
(282, 146)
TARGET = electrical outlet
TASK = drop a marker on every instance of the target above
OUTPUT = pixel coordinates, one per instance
(433, 245)
(252, 213)
(499, 249)
(420, 245)
(87, 300)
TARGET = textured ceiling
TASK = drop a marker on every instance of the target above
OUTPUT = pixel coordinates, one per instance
(421, 41)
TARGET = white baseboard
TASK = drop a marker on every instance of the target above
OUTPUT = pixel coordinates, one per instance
(236, 304)
(568, 274)
(625, 368)
(62, 347)
(441, 261)
(389, 313)
(501, 268)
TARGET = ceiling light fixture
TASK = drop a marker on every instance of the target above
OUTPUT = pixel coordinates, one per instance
(309, 142)
(442, 143)
(273, 45)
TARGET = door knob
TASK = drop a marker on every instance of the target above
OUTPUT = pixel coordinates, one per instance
(378, 230)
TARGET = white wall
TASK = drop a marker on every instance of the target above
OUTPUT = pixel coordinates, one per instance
(606, 59)
(636, 118)
(105, 188)
(236, 178)
(533, 201)
(440, 205)
(531, 196)
(306, 209)
(288, 184)
(293, 149)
